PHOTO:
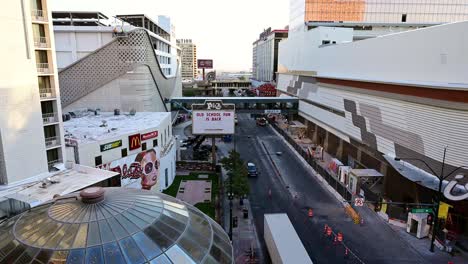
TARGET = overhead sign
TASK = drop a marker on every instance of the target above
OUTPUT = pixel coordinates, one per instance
(205, 64)
(359, 202)
(149, 135)
(421, 210)
(111, 145)
(213, 118)
(272, 111)
(134, 142)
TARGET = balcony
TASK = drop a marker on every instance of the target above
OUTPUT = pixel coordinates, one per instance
(49, 118)
(52, 142)
(38, 15)
(41, 42)
(46, 93)
(43, 68)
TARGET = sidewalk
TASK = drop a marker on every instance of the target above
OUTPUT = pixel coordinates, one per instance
(421, 246)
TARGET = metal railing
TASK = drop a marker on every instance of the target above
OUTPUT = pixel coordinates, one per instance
(49, 118)
(45, 93)
(41, 42)
(38, 15)
(43, 68)
(52, 142)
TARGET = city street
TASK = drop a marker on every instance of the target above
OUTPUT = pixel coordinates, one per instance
(294, 189)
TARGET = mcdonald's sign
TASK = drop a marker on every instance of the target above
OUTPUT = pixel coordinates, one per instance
(134, 142)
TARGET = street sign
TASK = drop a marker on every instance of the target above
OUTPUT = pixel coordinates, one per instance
(421, 210)
(359, 202)
(272, 111)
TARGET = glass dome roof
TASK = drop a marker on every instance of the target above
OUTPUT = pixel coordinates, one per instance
(127, 226)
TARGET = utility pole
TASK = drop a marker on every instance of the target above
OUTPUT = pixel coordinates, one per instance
(213, 151)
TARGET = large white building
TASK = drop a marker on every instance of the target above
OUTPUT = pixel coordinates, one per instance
(126, 66)
(265, 54)
(140, 147)
(403, 94)
(30, 119)
(188, 57)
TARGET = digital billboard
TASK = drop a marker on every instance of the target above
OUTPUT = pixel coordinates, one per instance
(205, 64)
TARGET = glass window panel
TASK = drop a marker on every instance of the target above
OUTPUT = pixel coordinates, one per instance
(87, 215)
(59, 257)
(129, 226)
(203, 239)
(6, 241)
(46, 233)
(157, 237)
(30, 235)
(68, 237)
(93, 235)
(117, 229)
(44, 255)
(177, 255)
(105, 231)
(146, 245)
(168, 231)
(178, 217)
(178, 205)
(105, 212)
(219, 255)
(27, 256)
(76, 256)
(153, 212)
(222, 244)
(172, 223)
(94, 255)
(163, 259)
(135, 220)
(112, 254)
(130, 251)
(79, 218)
(14, 254)
(142, 215)
(195, 251)
(55, 239)
(210, 260)
(99, 212)
(80, 240)
(92, 216)
(176, 210)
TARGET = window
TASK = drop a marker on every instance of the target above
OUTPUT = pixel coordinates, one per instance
(143, 146)
(98, 160)
(155, 143)
(403, 18)
(166, 176)
(124, 152)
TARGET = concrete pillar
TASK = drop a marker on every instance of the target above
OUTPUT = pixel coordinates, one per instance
(314, 137)
(359, 152)
(325, 143)
(339, 151)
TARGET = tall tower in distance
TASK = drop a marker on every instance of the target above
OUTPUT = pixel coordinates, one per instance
(188, 58)
(31, 131)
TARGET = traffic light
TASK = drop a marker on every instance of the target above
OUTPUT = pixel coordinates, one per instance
(430, 218)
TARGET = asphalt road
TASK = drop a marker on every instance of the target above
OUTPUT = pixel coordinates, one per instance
(287, 177)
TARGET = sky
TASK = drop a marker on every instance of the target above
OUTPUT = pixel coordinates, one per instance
(223, 30)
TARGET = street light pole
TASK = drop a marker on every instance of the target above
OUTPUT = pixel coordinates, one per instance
(441, 178)
(231, 194)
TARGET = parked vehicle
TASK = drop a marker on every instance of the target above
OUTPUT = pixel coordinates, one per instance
(261, 121)
(252, 169)
(282, 241)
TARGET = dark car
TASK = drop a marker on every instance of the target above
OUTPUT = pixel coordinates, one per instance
(252, 169)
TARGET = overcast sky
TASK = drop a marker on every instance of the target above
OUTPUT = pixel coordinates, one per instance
(222, 29)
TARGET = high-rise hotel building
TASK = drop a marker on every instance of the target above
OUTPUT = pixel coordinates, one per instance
(30, 111)
(188, 58)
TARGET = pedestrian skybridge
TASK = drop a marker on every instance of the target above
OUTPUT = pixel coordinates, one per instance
(253, 105)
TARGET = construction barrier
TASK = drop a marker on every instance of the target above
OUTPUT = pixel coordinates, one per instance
(353, 214)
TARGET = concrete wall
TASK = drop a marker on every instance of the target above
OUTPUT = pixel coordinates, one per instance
(74, 43)
(21, 128)
(134, 90)
(435, 54)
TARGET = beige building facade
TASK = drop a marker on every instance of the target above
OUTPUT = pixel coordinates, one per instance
(188, 58)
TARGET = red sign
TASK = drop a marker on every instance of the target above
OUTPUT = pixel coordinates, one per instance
(149, 135)
(205, 64)
(134, 142)
(266, 90)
